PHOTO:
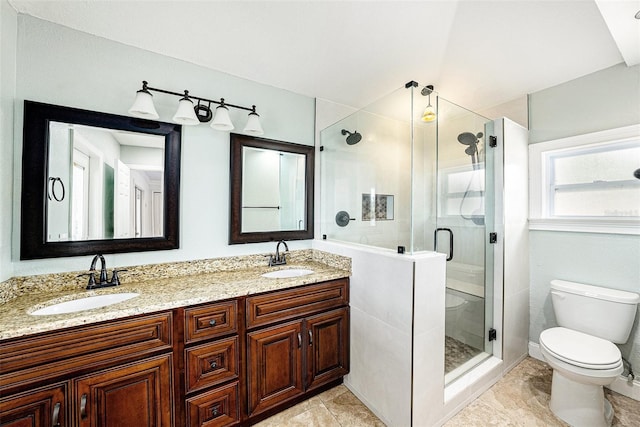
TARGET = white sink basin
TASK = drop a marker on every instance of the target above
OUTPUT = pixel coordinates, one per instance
(82, 304)
(284, 274)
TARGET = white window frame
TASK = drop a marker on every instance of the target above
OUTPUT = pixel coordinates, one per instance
(539, 184)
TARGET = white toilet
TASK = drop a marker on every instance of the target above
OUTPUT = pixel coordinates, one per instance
(581, 349)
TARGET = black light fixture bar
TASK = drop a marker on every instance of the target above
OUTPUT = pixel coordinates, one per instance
(145, 85)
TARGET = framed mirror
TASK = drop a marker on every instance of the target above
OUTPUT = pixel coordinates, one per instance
(97, 183)
(271, 190)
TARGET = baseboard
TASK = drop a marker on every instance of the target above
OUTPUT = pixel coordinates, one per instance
(621, 385)
(534, 351)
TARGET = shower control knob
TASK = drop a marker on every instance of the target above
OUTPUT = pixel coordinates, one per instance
(343, 218)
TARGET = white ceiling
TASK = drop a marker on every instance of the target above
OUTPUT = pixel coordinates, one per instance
(478, 54)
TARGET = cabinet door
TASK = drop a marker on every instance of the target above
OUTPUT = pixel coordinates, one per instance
(138, 394)
(274, 371)
(38, 408)
(327, 345)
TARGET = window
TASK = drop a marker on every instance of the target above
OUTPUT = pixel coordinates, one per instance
(587, 183)
(462, 192)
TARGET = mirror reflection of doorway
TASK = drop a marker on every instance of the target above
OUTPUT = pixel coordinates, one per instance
(138, 211)
(156, 203)
(80, 196)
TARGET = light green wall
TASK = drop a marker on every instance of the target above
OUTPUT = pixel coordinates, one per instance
(607, 99)
(603, 100)
(8, 36)
(62, 66)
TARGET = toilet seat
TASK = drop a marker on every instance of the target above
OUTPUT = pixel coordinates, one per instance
(580, 349)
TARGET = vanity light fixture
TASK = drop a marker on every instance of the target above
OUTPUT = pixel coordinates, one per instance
(253, 126)
(429, 113)
(186, 115)
(190, 114)
(221, 120)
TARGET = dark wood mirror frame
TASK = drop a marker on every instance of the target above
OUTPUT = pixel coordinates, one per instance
(235, 224)
(33, 242)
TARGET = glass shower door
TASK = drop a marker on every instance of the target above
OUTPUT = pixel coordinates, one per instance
(463, 218)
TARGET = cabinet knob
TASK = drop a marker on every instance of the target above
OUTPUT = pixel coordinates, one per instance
(55, 418)
(83, 406)
(215, 411)
(212, 322)
(213, 364)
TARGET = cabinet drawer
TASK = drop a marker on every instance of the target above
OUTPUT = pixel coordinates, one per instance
(211, 364)
(210, 321)
(215, 408)
(47, 356)
(297, 302)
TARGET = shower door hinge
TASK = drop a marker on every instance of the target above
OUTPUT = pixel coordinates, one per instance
(493, 141)
(493, 334)
(493, 237)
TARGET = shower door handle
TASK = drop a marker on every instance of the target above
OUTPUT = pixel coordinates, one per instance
(435, 241)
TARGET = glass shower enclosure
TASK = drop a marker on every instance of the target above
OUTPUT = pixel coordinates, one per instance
(396, 178)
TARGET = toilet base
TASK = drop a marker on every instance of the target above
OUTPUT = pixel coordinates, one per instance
(579, 404)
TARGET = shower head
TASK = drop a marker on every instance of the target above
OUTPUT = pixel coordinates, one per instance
(467, 138)
(427, 90)
(353, 138)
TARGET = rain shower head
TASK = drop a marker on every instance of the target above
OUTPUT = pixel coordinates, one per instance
(427, 90)
(353, 138)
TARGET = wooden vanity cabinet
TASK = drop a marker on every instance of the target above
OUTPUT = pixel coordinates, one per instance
(217, 364)
(289, 358)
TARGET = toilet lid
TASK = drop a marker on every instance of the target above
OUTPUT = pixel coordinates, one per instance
(580, 349)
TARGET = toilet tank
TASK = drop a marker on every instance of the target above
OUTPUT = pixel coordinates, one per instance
(602, 312)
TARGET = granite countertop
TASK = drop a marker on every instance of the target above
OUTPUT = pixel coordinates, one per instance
(159, 293)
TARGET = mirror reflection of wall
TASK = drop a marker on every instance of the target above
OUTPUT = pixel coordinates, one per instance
(101, 169)
(273, 190)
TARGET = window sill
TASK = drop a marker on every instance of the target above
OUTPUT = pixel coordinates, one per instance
(576, 225)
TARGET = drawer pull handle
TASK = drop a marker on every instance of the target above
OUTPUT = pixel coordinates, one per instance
(215, 411)
(310, 338)
(56, 415)
(299, 340)
(83, 406)
(212, 322)
(213, 365)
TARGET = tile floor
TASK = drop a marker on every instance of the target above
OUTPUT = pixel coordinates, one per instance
(334, 408)
(519, 399)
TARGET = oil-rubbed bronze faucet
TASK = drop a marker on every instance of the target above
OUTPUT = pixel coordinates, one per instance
(103, 282)
(277, 259)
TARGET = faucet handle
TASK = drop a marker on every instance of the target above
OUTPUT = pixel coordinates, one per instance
(272, 260)
(92, 278)
(115, 280)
